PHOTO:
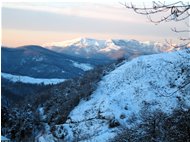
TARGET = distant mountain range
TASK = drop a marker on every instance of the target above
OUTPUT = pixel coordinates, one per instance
(69, 59)
(111, 49)
(38, 62)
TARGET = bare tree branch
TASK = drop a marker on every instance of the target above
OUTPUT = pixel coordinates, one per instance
(179, 31)
(178, 11)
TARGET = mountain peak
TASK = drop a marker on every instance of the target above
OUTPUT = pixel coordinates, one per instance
(84, 38)
(81, 42)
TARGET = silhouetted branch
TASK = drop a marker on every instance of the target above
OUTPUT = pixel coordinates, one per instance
(179, 31)
(178, 11)
(184, 45)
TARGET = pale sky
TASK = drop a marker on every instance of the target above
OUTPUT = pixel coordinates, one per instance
(38, 23)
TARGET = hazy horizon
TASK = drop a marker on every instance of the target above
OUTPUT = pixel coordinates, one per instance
(38, 23)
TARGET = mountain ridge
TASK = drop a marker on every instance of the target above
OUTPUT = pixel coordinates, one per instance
(111, 48)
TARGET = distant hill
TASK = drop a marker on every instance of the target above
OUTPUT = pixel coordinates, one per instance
(38, 62)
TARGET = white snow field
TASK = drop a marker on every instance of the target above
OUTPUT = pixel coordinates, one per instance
(31, 80)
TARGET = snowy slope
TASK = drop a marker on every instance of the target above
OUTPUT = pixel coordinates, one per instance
(152, 80)
(89, 47)
(31, 80)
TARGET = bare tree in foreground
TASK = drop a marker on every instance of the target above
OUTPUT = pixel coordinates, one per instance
(178, 11)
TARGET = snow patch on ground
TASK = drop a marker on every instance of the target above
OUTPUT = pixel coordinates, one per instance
(31, 80)
(44, 135)
(83, 66)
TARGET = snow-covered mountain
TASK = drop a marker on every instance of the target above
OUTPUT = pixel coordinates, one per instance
(112, 48)
(159, 81)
